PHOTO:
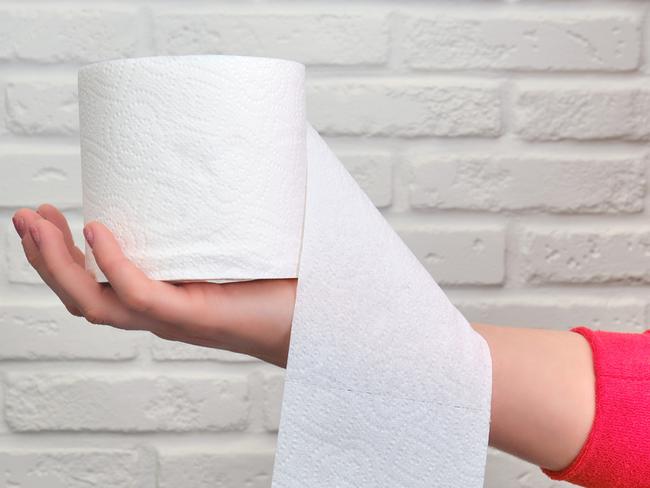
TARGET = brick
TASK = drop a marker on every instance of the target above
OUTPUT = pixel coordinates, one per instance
(324, 38)
(595, 254)
(555, 112)
(3, 108)
(19, 269)
(27, 180)
(506, 471)
(374, 174)
(73, 468)
(42, 108)
(229, 468)
(609, 41)
(135, 402)
(164, 350)
(459, 255)
(50, 332)
(66, 35)
(4, 428)
(496, 183)
(405, 108)
(558, 313)
(273, 389)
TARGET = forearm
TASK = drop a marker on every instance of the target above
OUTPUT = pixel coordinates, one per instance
(543, 395)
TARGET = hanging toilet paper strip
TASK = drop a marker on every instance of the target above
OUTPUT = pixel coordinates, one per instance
(387, 384)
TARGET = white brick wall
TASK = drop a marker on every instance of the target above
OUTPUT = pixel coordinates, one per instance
(506, 141)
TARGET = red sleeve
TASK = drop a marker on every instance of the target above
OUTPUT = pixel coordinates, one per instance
(617, 450)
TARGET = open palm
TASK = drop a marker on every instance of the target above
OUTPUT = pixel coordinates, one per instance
(252, 317)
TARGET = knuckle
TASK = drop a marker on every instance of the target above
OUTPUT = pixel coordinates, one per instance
(74, 311)
(33, 257)
(137, 301)
(94, 316)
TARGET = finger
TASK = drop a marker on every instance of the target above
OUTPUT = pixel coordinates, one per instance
(51, 213)
(97, 303)
(79, 291)
(27, 217)
(157, 299)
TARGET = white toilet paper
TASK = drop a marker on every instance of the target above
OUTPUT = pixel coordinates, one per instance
(196, 163)
(387, 385)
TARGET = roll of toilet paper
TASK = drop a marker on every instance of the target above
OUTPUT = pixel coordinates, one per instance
(387, 384)
(196, 164)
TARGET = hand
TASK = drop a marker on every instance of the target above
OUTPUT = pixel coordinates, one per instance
(252, 317)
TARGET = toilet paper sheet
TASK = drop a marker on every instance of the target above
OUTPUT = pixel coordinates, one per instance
(387, 385)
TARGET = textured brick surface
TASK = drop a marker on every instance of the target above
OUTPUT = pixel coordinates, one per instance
(70, 468)
(557, 185)
(586, 254)
(272, 400)
(164, 350)
(554, 41)
(552, 311)
(505, 141)
(223, 468)
(50, 332)
(459, 255)
(400, 107)
(42, 108)
(52, 35)
(31, 179)
(553, 111)
(325, 38)
(374, 173)
(134, 402)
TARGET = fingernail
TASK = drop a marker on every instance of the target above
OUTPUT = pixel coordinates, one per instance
(19, 224)
(88, 234)
(36, 236)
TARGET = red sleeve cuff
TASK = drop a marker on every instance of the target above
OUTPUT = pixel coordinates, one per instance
(617, 450)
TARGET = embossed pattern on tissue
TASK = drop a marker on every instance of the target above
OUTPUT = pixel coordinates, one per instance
(387, 385)
(196, 163)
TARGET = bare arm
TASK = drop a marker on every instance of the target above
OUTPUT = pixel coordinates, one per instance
(543, 394)
(543, 384)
